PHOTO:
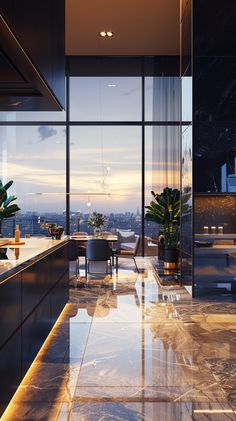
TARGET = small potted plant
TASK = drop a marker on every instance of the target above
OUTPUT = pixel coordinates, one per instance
(7, 209)
(165, 210)
(96, 221)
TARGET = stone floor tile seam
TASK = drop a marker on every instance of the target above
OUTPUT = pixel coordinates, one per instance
(85, 347)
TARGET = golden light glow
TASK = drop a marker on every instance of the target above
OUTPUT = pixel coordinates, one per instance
(103, 34)
(214, 411)
(20, 394)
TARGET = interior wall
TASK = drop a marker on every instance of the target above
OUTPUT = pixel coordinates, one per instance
(214, 139)
(215, 211)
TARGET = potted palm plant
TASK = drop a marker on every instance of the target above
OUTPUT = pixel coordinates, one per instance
(165, 210)
(7, 209)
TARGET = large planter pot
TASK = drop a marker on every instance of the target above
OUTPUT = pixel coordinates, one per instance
(171, 258)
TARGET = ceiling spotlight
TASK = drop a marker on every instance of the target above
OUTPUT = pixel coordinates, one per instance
(106, 34)
(111, 85)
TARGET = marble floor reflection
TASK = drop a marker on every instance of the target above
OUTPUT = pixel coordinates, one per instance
(127, 349)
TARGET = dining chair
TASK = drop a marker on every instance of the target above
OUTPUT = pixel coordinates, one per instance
(73, 254)
(97, 251)
(81, 245)
(128, 254)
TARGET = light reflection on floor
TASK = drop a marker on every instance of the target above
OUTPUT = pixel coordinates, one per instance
(125, 349)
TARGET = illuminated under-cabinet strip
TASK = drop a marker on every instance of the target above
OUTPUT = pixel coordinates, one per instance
(21, 392)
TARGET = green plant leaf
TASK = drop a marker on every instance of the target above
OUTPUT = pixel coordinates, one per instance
(9, 211)
(9, 200)
(165, 210)
(3, 195)
(9, 184)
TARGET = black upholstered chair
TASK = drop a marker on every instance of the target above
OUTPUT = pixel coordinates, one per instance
(128, 254)
(97, 251)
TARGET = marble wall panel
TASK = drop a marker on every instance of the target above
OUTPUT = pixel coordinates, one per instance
(215, 210)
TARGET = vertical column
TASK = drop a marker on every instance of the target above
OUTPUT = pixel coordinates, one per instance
(186, 144)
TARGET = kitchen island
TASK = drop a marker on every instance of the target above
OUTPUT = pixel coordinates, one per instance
(33, 292)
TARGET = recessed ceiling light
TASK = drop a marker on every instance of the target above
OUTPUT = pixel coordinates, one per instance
(106, 34)
(111, 85)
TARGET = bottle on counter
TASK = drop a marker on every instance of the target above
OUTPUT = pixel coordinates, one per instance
(213, 229)
(17, 234)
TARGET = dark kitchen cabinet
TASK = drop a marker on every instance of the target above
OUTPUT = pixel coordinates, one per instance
(10, 295)
(36, 61)
(30, 303)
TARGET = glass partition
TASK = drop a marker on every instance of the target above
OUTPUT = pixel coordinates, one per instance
(161, 170)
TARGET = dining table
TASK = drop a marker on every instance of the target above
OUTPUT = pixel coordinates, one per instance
(96, 267)
(109, 237)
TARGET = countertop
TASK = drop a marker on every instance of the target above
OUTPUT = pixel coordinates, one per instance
(19, 257)
(215, 236)
(216, 249)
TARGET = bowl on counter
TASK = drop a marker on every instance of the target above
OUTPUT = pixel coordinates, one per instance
(55, 231)
(203, 244)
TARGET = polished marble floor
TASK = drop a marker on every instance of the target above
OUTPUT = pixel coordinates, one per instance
(127, 349)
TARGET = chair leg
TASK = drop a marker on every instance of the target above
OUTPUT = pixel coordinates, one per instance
(136, 264)
(110, 267)
(227, 260)
(116, 264)
(78, 271)
(86, 268)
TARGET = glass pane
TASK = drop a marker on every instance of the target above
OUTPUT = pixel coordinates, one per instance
(186, 206)
(106, 174)
(161, 170)
(36, 209)
(187, 98)
(162, 98)
(105, 98)
(32, 116)
(34, 158)
(215, 157)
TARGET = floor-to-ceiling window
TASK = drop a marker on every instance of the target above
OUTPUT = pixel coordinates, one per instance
(117, 141)
(33, 156)
(105, 151)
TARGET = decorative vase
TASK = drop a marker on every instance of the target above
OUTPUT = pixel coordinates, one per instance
(97, 232)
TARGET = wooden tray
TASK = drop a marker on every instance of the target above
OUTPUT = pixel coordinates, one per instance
(13, 243)
(4, 243)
